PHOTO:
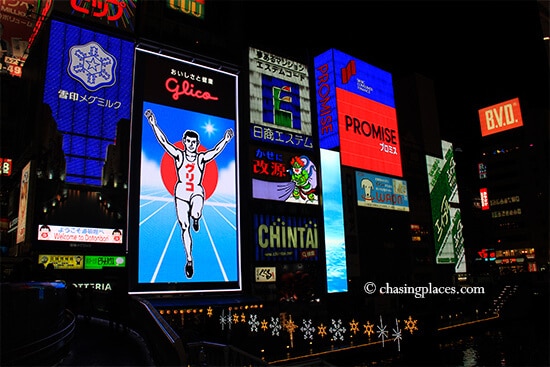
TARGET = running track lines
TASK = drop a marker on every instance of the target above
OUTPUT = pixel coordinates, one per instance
(159, 263)
(220, 264)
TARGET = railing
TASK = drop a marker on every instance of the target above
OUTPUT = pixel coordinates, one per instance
(215, 354)
(164, 343)
(47, 349)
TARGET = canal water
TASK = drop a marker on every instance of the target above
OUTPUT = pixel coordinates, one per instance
(520, 342)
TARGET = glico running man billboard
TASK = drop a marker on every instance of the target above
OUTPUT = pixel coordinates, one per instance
(356, 112)
(184, 191)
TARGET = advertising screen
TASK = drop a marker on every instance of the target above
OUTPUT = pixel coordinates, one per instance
(333, 214)
(446, 216)
(356, 112)
(119, 14)
(283, 176)
(194, 8)
(375, 191)
(88, 88)
(500, 117)
(82, 176)
(20, 23)
(282, 238)
(279, 100)
(184, 214)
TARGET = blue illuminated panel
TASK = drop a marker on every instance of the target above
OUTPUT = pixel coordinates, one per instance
(88, 88)
(333, 213)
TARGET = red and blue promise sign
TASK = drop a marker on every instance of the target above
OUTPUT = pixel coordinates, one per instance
(356, 112)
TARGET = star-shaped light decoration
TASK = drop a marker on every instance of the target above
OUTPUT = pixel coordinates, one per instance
(410, 324)
(353, 326)
(382, 332)
(290, 327)
(275, 326)
(397, 335)
(209, 311)
(369, 329)
(253, 322)
(264, 325)
(307, 329)
(322, 330)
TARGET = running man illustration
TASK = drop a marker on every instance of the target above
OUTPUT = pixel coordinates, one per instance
(189, 191)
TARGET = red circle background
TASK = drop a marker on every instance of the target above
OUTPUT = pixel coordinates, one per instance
(169, 177)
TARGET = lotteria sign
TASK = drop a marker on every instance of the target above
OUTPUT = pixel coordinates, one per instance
(356, 112)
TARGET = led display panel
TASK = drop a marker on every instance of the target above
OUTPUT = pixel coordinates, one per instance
(286, 239)
(279, 100)
(446, 216)
(78, 234)
(183, 195)
(88, 88)
(500, 117)
(375, 191)
(283, 176)
(333, 214)
(356, 113)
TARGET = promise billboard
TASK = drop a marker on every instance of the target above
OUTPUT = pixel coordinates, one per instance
(183, 178)
(356, 113)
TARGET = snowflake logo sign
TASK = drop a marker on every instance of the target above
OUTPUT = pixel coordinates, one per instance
(92, 66)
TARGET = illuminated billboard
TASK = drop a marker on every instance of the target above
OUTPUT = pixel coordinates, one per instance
(20, 23)
(183, 195)
(119, 14)
(333, 214)
(24, 192)
(88, 88)
(283, 176)
(446, 216)
(356, 113)
(375, 191)
(79, 234)
(279, 100)
(500, 117)
(194, 8)
(286, 239)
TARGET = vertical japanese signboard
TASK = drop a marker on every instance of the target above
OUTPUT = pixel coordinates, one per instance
(446, 216)
(280, 111)
(183, 195)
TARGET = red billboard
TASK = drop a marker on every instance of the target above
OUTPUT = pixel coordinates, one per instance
(357, 115)
(500, 117)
